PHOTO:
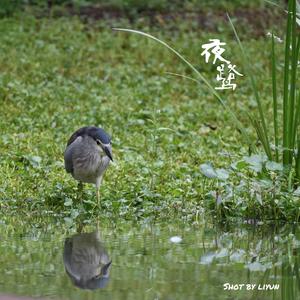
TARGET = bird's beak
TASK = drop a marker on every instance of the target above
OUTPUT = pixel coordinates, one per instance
(105, 269)
(108, 152)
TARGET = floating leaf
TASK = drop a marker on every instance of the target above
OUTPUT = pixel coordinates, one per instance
(297, 191)
(69, 221)
(68, 202)
(204, 130)
(258, 198)
(222, 174)
(208, 170)
(33, 160)
(74, 213)
(256, 161)
(265, 183)
(274, 166)
(219, 200)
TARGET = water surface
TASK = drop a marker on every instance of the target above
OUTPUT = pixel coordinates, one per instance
(130, 261)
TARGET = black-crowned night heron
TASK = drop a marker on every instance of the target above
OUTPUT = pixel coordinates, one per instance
(88, 155)
(86, 260)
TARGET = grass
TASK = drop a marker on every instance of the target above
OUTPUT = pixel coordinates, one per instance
(60, 74)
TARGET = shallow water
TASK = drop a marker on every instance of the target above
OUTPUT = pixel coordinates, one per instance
(146, 264)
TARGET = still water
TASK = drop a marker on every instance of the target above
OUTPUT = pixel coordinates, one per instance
(151, 261)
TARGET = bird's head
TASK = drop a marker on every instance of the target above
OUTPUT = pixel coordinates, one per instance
(102, 139)
(96, 282)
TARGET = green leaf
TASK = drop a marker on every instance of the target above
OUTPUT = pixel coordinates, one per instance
(239, 165)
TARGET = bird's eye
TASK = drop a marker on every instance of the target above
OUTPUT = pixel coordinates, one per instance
(98, 142)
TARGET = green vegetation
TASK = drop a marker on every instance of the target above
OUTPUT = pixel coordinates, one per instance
(290, 104)
(169, 135)
(128, 7)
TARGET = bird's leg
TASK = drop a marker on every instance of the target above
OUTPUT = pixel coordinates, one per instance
(98, 183)
(79, 227)
(97, 204)
(97, 225)
(98, 197)
(80, 190)
(80, 195)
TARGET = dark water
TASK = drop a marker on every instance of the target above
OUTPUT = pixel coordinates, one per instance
(141, 262)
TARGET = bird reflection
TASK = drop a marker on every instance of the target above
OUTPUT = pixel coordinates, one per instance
(86, 261)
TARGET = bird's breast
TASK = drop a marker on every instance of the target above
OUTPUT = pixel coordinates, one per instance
(89, 167)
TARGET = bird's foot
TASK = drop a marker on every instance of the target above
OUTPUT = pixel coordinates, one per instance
(98, 198)
(80, 191)
(97, 204)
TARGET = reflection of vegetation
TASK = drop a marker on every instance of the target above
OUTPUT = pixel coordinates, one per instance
(290, 281)
(144, 260)
(275, 258)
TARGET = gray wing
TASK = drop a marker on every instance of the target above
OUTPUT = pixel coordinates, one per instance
(68, 247)
(68, 156)
(80, 132)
